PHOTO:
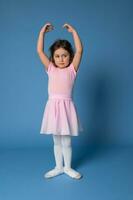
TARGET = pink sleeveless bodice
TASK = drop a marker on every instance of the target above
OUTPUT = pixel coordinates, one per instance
(61, 81)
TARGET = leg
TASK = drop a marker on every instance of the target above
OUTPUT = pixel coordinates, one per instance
(58, 151)
(58, 158)
(67, 153)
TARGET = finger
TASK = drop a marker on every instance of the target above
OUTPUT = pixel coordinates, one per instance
(49, 27)
(66, 26)
(48, 23)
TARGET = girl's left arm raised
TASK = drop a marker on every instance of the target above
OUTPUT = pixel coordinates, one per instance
(78, 46)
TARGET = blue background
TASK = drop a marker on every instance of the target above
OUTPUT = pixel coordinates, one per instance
(103, 95)
(103, 89)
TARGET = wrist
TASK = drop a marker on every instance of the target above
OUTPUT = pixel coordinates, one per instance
(42, 32)
(74, 31)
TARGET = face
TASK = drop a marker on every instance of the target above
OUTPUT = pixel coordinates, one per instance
(61, 58)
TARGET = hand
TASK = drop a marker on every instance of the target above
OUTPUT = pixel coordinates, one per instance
(69, 28)
(47, 27)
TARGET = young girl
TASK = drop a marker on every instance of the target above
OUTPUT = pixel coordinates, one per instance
(60, 117)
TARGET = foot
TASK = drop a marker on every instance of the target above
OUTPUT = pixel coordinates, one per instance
(72, 173)
(54, 172)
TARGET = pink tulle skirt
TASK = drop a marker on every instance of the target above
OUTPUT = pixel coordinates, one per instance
(60, 117)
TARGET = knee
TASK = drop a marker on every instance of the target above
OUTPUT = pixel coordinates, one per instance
(66, 141)
(57, 140)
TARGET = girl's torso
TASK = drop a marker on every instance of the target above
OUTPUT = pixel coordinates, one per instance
(61, 81)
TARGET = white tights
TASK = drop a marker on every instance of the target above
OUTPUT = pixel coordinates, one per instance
(62, 149)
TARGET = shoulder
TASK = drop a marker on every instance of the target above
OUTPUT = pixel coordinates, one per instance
(50, 66)
(73, 68)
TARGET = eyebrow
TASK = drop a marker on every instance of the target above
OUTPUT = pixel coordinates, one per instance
(61, 54)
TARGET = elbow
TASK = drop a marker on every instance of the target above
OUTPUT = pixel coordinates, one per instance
(81, 48)
(39, 51)
(80, 51)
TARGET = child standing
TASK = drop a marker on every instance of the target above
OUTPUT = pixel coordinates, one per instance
(60, 117)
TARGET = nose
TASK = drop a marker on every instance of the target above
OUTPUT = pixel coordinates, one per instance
(61, 58)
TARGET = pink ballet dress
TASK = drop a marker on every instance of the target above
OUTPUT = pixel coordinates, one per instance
(60, 115)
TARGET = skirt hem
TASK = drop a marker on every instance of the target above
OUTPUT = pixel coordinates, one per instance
(50, 133)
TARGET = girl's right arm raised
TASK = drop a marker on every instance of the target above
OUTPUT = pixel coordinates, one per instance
(40, 44)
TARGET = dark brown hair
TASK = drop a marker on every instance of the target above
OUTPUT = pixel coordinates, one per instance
(61, 43)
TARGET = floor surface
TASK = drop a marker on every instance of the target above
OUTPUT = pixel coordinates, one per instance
(107, 174)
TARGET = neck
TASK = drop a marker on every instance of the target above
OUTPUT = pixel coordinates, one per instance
(61, 67)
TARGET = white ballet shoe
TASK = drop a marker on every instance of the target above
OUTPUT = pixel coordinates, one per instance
(54, 172)
(72, 173)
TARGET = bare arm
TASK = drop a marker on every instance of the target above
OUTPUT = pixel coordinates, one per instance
(40, 44)
(78, 46)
